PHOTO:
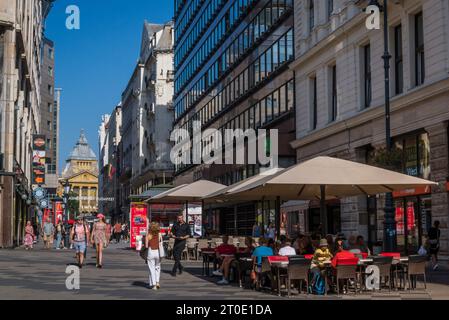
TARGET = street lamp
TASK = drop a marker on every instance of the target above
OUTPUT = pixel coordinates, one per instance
(390, 238)
(66, 194)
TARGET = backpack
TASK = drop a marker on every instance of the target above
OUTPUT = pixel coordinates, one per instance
(319, 286)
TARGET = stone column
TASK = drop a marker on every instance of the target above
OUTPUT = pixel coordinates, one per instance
(439, 166)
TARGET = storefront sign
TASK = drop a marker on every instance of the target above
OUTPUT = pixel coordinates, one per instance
(138, 222)
(412, 192)
(39, 159)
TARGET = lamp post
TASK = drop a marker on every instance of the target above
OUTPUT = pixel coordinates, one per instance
(390, 238)
(65, 198)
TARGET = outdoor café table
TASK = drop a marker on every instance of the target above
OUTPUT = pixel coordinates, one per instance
(278, 263)
(208, 257)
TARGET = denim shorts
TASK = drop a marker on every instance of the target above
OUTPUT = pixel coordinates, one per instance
(80, 247)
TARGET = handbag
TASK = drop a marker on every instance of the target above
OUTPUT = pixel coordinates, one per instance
(144, 253)
(161, 247)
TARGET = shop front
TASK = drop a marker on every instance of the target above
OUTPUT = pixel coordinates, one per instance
(413, 218)
(413, 207)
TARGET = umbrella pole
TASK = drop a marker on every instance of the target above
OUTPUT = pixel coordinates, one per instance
(323, 210)
(278, 217)
(202, 219)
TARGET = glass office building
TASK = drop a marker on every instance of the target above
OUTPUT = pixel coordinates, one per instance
(232, 72)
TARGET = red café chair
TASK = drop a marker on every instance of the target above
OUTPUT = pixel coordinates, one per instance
(346, 269)
(308, 256)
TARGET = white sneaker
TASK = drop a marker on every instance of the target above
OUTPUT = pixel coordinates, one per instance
(435, 267)
(217, 273)
(223, 282)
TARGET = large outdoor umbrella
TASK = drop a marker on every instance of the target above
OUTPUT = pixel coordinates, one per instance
(325, 178)
(194, 192)
(229, 193)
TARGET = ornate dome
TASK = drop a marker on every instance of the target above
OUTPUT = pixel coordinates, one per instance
(82, 150)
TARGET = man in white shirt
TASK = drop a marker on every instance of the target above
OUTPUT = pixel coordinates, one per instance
(286, 248)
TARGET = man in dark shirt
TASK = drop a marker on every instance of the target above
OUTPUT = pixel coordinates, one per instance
(434, 242)
(180, 232)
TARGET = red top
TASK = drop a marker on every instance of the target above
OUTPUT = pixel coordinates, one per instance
(308, 256)
(226, 249)
(344, 258)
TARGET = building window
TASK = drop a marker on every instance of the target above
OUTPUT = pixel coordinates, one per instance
(398, 60)
(419, 50)
(367, 76)
(50, 53)
(50, 89)
(330, 8)
(50, 108)
(334, 97)
(50, 71)
(311, 15)
(314, 102)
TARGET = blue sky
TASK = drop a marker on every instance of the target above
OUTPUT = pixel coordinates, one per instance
(94, 64)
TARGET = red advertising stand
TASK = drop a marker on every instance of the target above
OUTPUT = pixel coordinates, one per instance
(59, 212)
(138, 223)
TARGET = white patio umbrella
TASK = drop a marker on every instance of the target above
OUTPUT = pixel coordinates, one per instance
(194, 192)
(325, 178)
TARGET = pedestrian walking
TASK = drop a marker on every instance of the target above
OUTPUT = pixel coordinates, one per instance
(153, 242)
(48, 231)
(271, 232)
(29, 236)
(59, 233)
(79, 236)
(434, 243)
(117, 232)
(180, 232)
(98, 238)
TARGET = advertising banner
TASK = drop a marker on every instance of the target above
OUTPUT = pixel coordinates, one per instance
(195, 220)
(59, 212)
(39, 159)
(138, 224)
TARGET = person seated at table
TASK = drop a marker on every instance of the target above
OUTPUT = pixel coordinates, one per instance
(303, 245)
(341, 253)
(263, 250)
(286, 248)
(361, 245)
(250, 245)
(339, 242)
(321, 256)
(225, 253)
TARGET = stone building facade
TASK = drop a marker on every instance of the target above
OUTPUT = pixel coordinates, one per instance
(340, 107)
(21, 38)
(147, 116)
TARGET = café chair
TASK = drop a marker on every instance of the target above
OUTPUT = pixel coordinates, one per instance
(384, 264)
(415, 267)
(265, 272)
(346, 270)
(298, 269)
(202, 244)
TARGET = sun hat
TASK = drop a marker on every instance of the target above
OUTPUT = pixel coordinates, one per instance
(100, 216)
(323, 243)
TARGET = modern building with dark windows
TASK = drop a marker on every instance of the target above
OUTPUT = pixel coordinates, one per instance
(232, 72)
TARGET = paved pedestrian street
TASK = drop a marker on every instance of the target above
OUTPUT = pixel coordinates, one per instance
(40, 274)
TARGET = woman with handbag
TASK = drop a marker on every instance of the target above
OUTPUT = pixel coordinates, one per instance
(154, 242)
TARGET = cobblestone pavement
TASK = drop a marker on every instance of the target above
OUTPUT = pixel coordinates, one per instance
(40, 274)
